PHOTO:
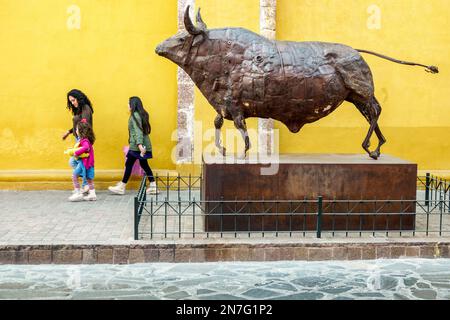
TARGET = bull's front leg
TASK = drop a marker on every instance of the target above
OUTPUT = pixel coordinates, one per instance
(218, 123)
(239, 122)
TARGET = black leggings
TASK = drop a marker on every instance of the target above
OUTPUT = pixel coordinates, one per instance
(129, 167)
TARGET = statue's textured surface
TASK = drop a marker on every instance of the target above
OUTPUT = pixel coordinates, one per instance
(243, 75)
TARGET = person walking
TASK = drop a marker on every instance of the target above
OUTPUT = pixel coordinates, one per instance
(87, 139)
(140, 146)
(81, 107)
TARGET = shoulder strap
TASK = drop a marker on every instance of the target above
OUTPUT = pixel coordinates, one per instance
(137, 122)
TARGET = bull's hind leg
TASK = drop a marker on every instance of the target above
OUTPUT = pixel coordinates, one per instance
(239, 122)
(218, 123)
(381, 139)
(371, 110)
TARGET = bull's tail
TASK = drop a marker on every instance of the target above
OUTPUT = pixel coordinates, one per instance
(431, 69)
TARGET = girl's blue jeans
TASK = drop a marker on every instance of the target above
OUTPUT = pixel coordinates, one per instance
(78, 169)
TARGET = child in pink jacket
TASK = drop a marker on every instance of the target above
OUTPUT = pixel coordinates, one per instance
(87, 139)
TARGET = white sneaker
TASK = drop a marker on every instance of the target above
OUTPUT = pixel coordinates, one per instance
(118, 189)
(91, 196)
(152, 189)
(85, 189)
(75, 191)
(77, 196)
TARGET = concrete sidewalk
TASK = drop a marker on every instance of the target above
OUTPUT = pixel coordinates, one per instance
(42, 227)
(46, 217)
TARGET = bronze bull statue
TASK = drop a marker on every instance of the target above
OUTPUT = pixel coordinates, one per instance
(244, 75)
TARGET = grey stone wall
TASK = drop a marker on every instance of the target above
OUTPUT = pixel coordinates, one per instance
(267, 17)
(185, 101)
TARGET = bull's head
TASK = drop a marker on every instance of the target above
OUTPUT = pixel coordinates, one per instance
(178, 47)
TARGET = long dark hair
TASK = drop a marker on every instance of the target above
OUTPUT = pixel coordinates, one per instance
(136, 106)
(85, 130)
(82, 99)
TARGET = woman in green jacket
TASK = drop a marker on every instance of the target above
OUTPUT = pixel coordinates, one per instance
(140, 146)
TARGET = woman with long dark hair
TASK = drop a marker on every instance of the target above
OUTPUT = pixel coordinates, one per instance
(139, 129)
(81, 108)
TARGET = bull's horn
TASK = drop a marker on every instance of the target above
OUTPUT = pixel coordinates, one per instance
(189, 25)
(200, 23)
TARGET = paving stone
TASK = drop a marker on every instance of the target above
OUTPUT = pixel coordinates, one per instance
(21, 257)
(340, 253)
(67, 256)
(166, 255)
(7, 257)
(383, 252)
(302, 296)
(287, 254)
(40, 257)
(212, 255)
(177, 295)
(318, 254)
(412, 251)
(151, 255)
(183, 255)
(197, 255)
(136, 256)
(222, 296)
(354, 253)
(398, 251)
(120, 255)
(89, 256)
(427, 251)
(260, 294)
(424, 294)
(368, 253)
(105, 256)
(301, 253)
(256, 254)
(242, 254)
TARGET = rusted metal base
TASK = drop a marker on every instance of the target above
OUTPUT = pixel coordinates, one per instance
(306, 177)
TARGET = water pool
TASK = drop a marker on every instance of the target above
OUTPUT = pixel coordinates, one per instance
(379, 279)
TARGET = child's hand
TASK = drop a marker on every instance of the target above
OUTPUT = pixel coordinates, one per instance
(69, 152)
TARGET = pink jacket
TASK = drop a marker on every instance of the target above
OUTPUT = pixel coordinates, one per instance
(86, 146)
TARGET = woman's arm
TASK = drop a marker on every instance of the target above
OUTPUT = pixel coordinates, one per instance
(67, 133)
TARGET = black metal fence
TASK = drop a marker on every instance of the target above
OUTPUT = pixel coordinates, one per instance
(179, 211)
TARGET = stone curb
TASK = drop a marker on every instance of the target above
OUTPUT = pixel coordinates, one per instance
(212, 252)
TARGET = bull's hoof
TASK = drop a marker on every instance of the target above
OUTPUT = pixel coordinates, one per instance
(374, 155)
(242, 156)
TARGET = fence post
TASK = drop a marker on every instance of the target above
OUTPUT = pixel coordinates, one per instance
(427, 190)
(136, 218)
(319, 217)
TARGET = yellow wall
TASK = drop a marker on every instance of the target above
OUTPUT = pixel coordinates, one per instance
(111, 58)
(416, 106)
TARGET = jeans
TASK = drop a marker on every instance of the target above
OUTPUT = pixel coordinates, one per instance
(78, 169)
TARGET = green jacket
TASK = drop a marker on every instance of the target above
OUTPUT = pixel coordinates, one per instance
(136, 136)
